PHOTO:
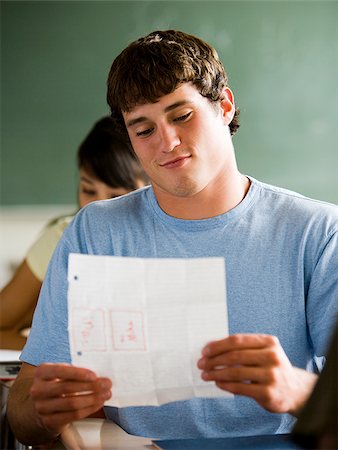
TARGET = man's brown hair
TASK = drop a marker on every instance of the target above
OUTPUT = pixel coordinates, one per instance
(155, 65)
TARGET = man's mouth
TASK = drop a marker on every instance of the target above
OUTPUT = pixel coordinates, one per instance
(175, 162)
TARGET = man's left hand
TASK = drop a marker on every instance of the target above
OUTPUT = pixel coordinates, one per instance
(255, 365)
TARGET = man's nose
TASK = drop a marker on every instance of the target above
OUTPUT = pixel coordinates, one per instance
(169, 138)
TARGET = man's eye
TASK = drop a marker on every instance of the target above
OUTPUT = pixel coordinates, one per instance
(183, 118)
(144, 132)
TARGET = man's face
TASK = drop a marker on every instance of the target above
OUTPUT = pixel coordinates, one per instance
(182, 141)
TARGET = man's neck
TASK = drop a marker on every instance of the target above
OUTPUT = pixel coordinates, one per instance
(210, 202)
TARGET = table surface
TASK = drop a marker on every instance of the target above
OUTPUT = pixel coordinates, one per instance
(102, 434)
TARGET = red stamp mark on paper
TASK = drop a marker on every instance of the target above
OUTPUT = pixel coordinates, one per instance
(89, 330)
(128, 330)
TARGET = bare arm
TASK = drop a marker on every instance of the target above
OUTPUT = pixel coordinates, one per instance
(44, 400)
(18, 298)
(255, 365)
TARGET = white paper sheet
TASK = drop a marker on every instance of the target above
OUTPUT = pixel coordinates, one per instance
(143, 322)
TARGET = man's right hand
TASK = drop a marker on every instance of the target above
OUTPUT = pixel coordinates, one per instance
(63, 393)
(45, 399)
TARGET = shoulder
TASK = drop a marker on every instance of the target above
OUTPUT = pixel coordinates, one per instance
(58, 225)
(112, 217)
(41, 250)
(296, 209)
(51, 234)
(117, 207)
(296, 201)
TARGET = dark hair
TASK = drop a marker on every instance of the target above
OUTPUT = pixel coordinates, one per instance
(105, 153)
(155, 65)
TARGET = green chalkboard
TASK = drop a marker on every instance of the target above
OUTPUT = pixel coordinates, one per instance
(281, 56)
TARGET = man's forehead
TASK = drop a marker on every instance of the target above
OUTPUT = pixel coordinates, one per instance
(185, 93)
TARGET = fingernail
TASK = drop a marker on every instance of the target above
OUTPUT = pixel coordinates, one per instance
(105, 395)
(206, 351)
(105, 384)
(201, 363)
(90, 376)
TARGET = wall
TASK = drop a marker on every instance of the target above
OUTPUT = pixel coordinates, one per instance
(281, 57)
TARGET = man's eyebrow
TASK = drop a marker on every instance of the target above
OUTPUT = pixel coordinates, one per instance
(132, 122)
(176, 105)
(169, 108)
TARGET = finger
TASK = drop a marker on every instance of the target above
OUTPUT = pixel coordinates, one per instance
(239, 341)
(57, 388)
(64, 371)
(61, 388)
(262, 394)
(241, 374)
(258, 357)
(73, 403)
(247, 389)
(76, 389)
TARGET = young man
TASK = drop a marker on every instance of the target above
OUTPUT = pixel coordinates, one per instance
(169, 94)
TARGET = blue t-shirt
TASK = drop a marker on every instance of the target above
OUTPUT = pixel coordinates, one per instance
(281, 258)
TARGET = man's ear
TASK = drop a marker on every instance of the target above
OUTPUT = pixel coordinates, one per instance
(228, 105)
